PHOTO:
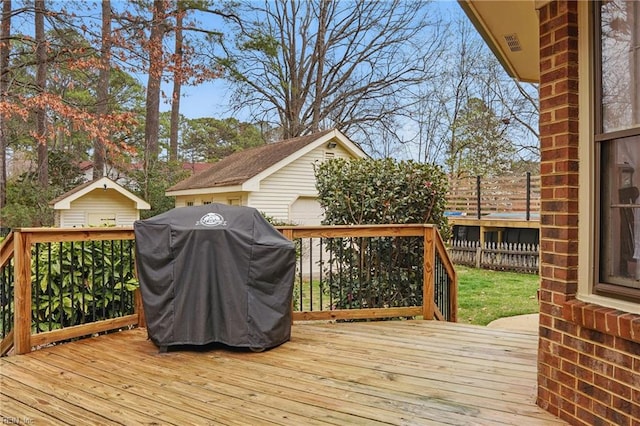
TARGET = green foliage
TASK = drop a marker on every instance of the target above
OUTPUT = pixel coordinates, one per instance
(76, 283)
(368, 191)
(28, 203)
(484, 295)
(152, 183)
(479, 145)
(379, 272)
(210, 139)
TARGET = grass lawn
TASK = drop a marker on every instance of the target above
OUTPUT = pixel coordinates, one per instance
(484, 296)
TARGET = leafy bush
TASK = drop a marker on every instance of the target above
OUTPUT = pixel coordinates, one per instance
(386, 271)
(76, 283)
(367, 191)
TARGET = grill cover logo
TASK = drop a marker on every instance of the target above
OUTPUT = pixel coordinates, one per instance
(212, 219)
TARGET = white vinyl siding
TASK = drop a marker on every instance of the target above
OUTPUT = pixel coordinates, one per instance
(99, 204)
(279, 191)
(223, 198)
(71, 218)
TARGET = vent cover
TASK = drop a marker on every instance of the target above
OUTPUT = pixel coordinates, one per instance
(513, 42)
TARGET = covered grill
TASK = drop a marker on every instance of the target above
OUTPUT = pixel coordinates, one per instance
(215, 273)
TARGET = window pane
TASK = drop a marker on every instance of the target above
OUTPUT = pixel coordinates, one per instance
(620, 242)
(620, 43)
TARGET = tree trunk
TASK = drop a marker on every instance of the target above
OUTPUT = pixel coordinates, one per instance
(320, 53)
(5, 32)
(41, 83)
(156, 66)
(177, 87)
(99, 149)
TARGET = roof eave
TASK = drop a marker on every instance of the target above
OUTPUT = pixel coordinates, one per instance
(207, 190)
(522, 65)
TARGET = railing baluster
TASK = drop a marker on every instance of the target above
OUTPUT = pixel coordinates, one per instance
(320, 271)
(93, 281)
(37, 286)
(71, 283)
(122, 281)
(311, 274)
(49, 287)
(331, 248)
(82, 286)
(61, 284)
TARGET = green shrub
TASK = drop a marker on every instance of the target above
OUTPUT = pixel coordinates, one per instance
(367, 191)
(76, 283)
(386, 271)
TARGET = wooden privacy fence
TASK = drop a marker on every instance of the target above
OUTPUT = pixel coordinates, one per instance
(517, 257)
(60, 284)
(502, 194)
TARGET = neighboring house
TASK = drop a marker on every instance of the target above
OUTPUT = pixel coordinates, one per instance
(101, 202)
(277, 179)
(586, 57)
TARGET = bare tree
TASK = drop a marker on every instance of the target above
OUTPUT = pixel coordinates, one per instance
(305, 65)
(5, 49)
(468, 72)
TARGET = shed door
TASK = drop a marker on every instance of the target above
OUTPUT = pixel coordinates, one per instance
(306, 211)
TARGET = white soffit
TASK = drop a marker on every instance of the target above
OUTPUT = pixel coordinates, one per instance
(511, 30)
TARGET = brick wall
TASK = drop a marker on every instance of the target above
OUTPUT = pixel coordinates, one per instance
(588, 360)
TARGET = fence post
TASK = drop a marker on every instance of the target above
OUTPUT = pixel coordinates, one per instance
(528, 195)
(429, 258)
(22, 293)
(479, 198)
(479, 254)
(288, 234)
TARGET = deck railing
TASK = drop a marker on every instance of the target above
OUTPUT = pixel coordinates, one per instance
(372, 271)
(61, 284)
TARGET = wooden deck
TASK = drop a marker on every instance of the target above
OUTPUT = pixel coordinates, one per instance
(394, 372)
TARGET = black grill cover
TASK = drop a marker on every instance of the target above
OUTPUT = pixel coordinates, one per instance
(215, 273)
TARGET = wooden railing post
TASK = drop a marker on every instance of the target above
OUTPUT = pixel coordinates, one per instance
(138, 308)
(288, 234)
(429, 257)
(22, 293)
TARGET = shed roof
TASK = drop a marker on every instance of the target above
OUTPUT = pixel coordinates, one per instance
(64, 201)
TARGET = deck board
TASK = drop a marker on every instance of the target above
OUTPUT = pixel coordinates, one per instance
(385, 372)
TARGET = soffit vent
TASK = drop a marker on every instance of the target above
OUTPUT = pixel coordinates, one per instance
(513, 42)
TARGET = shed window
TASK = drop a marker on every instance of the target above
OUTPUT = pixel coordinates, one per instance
(617, 144)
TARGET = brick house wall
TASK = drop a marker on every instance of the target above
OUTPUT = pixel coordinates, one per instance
(589, 356)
